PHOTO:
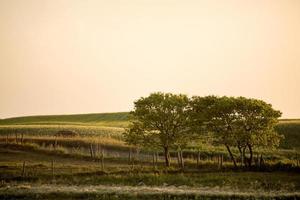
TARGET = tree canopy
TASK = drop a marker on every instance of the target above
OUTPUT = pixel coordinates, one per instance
(239, 122)
(160, 121)
(168, 121)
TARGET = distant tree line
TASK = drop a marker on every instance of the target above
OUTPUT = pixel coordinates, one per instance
(165, 121)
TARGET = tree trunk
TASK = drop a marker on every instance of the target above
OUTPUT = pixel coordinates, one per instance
(167, 156)
(244, 157)
(241, 155)
(251, 156)
(231, 156)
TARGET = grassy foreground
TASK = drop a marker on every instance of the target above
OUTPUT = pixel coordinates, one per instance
(73, 177)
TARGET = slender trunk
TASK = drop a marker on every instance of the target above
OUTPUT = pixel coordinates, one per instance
(231, 156)
(167, 156)
(241, 154)
(244, 156)
(251, 155)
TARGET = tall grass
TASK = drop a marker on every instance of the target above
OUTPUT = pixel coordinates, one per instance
(51, 130)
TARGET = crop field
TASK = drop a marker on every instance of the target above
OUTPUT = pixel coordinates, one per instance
(101, 119)
(37, 161)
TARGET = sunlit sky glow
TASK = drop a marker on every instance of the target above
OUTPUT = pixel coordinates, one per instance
(89, 56)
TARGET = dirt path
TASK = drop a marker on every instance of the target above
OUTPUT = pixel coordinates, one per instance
(136, 190)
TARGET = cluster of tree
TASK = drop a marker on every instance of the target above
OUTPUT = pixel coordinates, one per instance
(166, 121)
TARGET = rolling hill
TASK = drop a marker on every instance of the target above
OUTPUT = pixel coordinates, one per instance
(290, 128)
(119, 119)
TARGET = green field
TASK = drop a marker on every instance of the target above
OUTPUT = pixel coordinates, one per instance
(113, 124)
(101, 119)
(96, 163)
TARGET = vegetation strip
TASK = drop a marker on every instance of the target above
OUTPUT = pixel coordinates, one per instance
(134, 190)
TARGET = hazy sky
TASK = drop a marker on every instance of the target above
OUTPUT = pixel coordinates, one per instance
(83, 56)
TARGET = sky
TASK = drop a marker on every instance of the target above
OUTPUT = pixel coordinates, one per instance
(91, 56)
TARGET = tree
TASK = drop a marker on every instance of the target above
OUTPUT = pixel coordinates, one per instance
(160, 120)
(256, 121)
(237, 122)
(216, 114)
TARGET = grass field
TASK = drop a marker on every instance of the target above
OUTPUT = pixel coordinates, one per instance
(99, 119)
(111, 125)
(97, 164)
(71, 174)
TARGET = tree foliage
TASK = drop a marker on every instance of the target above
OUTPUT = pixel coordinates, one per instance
(237, 122)
(160, 121)
(168, 121)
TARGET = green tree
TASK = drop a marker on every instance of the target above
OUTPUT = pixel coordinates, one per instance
(240, 123)
(256, 122)
(160, 120)
(216, 114)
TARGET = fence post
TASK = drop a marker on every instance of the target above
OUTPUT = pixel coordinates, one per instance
(198, 159)
(91, 150)
(178, 158)
(221, 161)
(94, 150)
(52, 169)
(129, 156)
(261, 161)
(181, 160)
(153, 160)
(55, 142)
(16, 138)
(22, 137)
(102, 159)
(98, 149)
(23, 169)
